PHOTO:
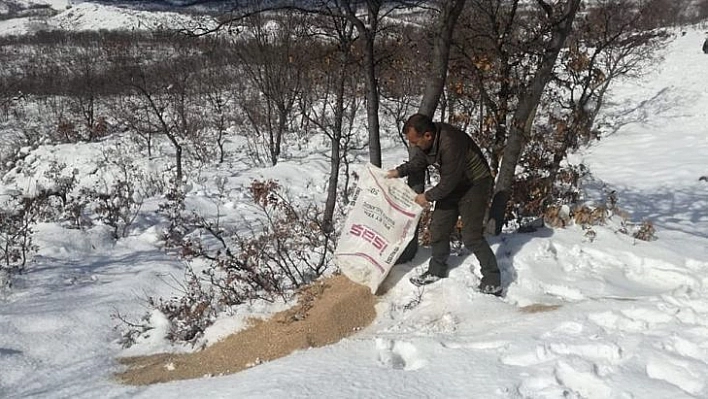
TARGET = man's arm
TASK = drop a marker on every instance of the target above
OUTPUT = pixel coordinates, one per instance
(452, 171)
(415, 166)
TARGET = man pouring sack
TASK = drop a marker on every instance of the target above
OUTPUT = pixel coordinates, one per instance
(464, 191)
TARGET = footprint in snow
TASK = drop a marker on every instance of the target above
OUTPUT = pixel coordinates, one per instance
(587, 384)
(605, 353)
(600, 352)
(569, 328)
(399, 355)
(685, 348)
(688, 375)
(529, 358)
(611, 320)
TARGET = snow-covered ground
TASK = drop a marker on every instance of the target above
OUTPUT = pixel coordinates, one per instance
(92, 16)
(632, 320)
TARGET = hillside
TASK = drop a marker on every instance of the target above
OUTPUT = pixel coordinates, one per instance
(20, 17)
(589, 312)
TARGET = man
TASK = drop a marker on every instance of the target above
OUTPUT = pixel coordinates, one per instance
(464, 190)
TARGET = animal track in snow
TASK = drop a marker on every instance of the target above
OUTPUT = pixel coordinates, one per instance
(399, 355)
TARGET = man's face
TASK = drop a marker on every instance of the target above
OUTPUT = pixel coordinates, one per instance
(423, 141)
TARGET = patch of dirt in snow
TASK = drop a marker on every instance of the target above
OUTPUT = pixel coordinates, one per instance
(327, 311)
(538, 308)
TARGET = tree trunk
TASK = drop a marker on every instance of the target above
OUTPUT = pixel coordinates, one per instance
(451, 9)
(372, 101)
(524, 116)
(445, 26)
(372, 90)
(335, 158)
(178, 159)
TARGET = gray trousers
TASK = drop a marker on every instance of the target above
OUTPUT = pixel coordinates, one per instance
(471, 207)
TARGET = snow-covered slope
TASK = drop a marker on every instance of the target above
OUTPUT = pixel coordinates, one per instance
(94, 16)
(622, 318)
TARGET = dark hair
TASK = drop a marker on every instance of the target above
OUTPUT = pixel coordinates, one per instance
(421, 124)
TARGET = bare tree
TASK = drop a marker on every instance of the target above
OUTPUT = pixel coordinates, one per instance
(559, 23)
(338, 83)
(271, 59)
(162, 100)
(368, 29)
(218, 95)
(443, 29)
(608, 43)
(87, 82)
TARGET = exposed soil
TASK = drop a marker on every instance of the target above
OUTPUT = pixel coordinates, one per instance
(538, 308)
(327, 311)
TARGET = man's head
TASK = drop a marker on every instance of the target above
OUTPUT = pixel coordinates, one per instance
(420, 131)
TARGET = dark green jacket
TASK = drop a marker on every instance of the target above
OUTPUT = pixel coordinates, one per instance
(458, 158)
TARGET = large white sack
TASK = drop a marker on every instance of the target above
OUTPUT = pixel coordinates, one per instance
(379, 226)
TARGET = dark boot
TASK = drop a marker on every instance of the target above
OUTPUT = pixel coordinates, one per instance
(424, 279)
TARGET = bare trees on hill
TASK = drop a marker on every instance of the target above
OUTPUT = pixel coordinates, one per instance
(526, 79)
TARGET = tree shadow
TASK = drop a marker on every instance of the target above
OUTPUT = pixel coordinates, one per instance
(619, 115)
(667, 208)
(59, 275)
(399, 271)
(9, 352)
(508, 245)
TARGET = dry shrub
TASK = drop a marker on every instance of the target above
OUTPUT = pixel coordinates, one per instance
(557, 216)
(117, 206)
(645, 232)
(99, 129)
(593, 216)
(282, 251)
(67, 131)
(18, 216)
(288, 250)
(424, 227)
(189, 314)
(586, 216)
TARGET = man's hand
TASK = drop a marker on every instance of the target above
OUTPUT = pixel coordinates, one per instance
(392, 174)
(420, 200)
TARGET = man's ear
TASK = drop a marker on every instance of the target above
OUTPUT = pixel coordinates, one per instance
(428, 135)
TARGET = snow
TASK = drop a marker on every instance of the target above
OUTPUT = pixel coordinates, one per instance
(92, 16)
(631, 321)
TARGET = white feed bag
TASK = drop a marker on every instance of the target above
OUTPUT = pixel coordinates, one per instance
(379, 226)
